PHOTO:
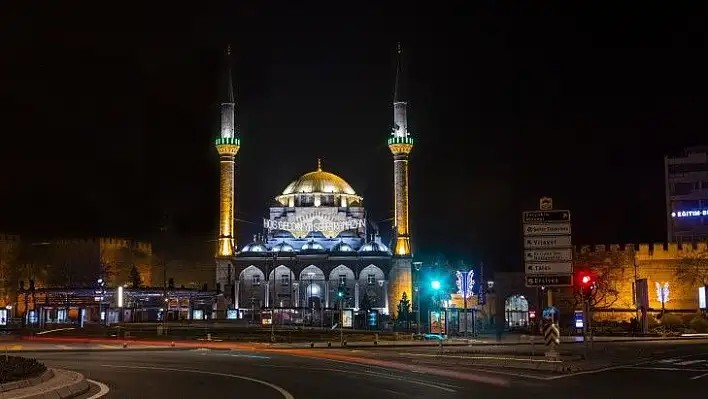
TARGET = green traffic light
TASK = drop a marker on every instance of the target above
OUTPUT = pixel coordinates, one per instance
(340, 293)
(435, 284)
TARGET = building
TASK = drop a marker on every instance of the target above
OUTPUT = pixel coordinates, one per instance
(686, 182)
(9, 245)
(317, 252)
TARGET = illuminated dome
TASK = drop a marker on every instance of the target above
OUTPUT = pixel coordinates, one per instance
(254, 247)
(312, 246)
(342, 247)
(319, 182)
(283, 247)
(374, 247)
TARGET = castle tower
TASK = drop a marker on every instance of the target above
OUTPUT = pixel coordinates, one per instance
(400, 145)
(227, 145)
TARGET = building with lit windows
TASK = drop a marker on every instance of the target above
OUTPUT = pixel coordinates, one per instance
(316, 253)
(686, 181)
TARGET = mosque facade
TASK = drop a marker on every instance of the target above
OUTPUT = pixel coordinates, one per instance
(316, 253)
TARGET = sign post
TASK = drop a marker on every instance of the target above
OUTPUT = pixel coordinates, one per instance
(548, 260)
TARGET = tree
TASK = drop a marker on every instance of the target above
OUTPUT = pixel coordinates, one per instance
(404, 309)
(609, 269)
(366, 303)
(135, 277)
(692, 268)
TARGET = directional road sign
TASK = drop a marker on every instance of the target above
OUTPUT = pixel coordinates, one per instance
(549, 281)
(556, 216)
(548, 254)
(549, 268)
(547, 242)
(547, 229)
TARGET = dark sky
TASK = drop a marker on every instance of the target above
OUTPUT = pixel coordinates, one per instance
(108, 117)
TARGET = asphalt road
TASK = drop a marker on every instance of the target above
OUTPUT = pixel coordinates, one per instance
(207, 374)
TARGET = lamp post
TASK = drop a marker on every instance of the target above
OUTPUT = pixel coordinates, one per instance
(417, 266)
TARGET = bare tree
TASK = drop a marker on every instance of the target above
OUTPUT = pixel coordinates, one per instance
(692, 268)
(609, 269)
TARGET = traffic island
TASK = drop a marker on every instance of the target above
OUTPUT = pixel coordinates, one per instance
(26, 378)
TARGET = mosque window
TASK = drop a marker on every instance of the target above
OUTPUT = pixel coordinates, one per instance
(284, 279)
(371, 279)
(256, 280)
(342, 279)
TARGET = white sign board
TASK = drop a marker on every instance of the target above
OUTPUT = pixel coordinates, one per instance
(548, 255)
(547, 242)
(547, 229)
(549, 267)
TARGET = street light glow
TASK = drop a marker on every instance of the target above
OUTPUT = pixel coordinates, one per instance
(435, 284)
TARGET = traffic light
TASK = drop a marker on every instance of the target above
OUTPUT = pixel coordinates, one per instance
(587, 283)
(340, 292)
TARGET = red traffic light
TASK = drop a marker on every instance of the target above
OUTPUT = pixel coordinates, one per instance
(585, 279)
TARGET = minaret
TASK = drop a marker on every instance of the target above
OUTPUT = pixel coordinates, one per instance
(400, 145)
(227, 145)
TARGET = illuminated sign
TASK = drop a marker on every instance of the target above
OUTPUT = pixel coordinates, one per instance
(330, 228)
(465, 283)
(702, 297)
(662, 292)
(690, 213)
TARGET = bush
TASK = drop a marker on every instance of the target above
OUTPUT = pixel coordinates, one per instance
(699, 324)
(670, 320)
(15, 368)
(686, 318)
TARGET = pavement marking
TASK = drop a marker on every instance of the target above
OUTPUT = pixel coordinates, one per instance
(286, 394)
(103, 389)
(372, 373)
(63, 347)
(109, 346)
(698, 376)
(55, 330)
(690, 362)
(667, 369)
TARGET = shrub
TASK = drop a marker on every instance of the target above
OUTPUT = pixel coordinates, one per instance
(699, 324)
(686, 318)
(670, 320)
(13, 368)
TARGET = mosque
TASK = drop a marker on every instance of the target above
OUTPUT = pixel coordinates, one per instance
(316, 253)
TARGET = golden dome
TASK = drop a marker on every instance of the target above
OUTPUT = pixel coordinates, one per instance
(319, 181)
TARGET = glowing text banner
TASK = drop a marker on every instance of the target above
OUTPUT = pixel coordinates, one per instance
(314, 226)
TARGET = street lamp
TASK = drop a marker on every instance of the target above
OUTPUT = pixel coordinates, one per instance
(417, 266)
(435, 284)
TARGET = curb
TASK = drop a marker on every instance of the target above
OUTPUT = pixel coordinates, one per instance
(511, 363)
(30, 382)
(104, 350)
(74, 385)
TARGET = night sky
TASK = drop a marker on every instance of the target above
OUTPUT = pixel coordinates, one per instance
(108, 118)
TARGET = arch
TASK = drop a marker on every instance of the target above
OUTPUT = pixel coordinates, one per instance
(312, 280)
(281, 271)
(372, 269)
(516, 311)
(251, 271)
(311, 272)
(339, 271)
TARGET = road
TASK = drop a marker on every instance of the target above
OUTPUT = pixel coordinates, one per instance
(201, 373)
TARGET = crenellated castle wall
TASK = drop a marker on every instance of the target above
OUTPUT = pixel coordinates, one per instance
(658, 263)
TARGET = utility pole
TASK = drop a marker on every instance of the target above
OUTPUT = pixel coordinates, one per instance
(417, 266)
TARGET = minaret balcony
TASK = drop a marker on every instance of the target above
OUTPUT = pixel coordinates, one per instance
(227, 145)
(400, 140)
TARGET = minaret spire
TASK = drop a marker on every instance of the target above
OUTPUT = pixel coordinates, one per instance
(400, 106)
(396, 91)
(228, 101)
